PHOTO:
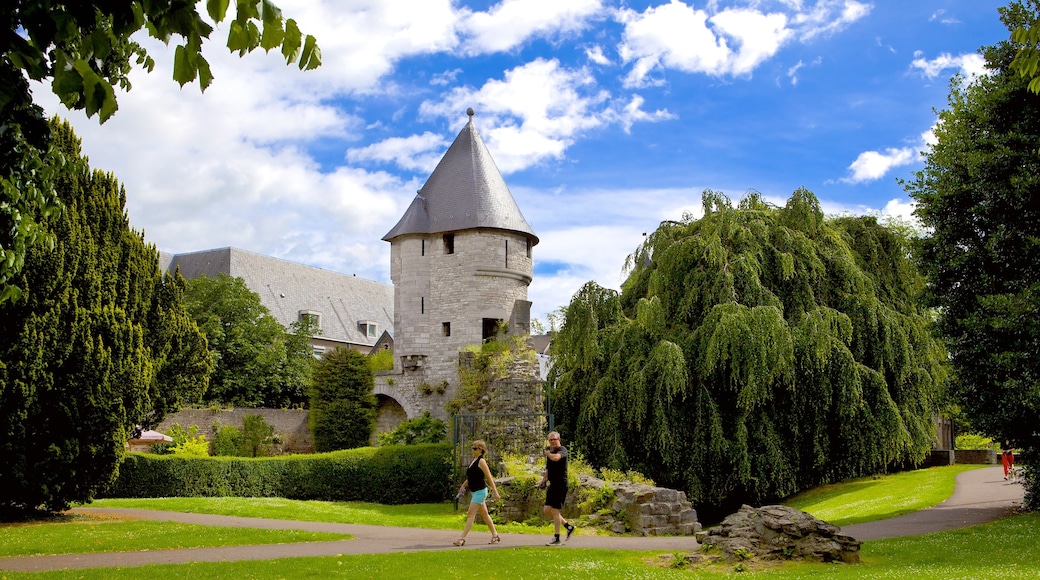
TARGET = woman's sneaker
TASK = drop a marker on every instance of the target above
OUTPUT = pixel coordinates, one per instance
(554, 542)
(570, 530)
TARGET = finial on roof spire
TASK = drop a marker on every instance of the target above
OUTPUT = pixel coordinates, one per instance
(469, 112)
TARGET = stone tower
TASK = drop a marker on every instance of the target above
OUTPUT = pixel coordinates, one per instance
(460, 262)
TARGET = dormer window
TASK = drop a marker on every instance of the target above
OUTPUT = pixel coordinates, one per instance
(368, 328)
(311, 318)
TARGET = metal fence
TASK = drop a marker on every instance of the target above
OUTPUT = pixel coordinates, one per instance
(515, 433)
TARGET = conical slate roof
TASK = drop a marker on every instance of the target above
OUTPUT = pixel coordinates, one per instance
(465, 191)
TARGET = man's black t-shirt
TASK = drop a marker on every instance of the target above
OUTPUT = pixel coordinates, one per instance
(557, 470)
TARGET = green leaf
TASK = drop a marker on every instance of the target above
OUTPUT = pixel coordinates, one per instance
(217, 9)
(205, 75)
(238, 38)
(291, 44)
(184, 68)
(311, 57)
(272, 36)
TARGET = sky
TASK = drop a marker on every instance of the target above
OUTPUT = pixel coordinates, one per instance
(604, 117)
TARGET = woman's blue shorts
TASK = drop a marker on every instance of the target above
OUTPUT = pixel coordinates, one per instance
(479, 496)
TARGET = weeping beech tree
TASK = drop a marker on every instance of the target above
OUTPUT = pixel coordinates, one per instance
(753, 353)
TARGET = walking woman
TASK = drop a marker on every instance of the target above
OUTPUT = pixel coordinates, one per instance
(478, 477)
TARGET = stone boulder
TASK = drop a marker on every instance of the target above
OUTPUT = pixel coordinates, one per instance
(643, 509)
(778, 532)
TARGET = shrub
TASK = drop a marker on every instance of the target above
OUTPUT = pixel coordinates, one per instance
(975, 441)
(423, 429)
(228, 441)
(388, 475)
(343, 406)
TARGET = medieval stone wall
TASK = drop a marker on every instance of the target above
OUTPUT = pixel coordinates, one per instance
(290, 425)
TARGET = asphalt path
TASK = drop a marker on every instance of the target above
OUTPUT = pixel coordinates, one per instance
(980, 496)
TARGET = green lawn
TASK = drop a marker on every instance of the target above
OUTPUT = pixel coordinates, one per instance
(86, 534)
(999, 550)
(438, 516)
(879, 497)
(1004, 549)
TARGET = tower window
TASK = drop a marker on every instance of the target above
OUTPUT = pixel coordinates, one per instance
(528, 247)
(423, 253)
(422, 305)
(492, 326)
(446, 328)
(449, 243)
(507, 253)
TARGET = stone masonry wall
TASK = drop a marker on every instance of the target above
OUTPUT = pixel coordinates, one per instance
(289, 424)
(478, 280)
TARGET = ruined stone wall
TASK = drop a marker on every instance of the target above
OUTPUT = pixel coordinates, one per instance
(638, 509)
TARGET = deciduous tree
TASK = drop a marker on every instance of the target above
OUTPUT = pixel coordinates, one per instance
(752, 353)
(85, 49)
(257, 363)
(978, 196)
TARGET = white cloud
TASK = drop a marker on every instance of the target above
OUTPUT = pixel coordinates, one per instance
(362, 40)
(792, 73)
(827, 17)
(416, 152)
(445, 78)
(733, 41)
(511, 22)
(537, 111)
(595, 54)
(971, 65)
(873, 165)
(633, 112)
(941, 17)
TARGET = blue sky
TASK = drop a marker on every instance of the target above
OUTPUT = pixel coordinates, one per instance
(604, 117)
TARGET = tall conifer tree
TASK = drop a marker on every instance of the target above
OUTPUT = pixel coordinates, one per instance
(98, 343)
(752, 353)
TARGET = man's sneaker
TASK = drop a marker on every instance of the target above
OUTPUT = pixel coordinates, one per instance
(554, 542)
(570, 530)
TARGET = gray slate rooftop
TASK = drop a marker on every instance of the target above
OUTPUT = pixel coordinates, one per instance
(286, 288)
(465, 191)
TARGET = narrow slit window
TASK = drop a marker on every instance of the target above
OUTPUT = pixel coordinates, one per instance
(446, 328)
(423, 248)
(449, 243)
(422, 305)
(507, 253)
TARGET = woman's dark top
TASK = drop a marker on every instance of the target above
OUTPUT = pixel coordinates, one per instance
(475, 476)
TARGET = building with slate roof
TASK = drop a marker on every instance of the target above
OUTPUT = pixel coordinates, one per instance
(350, 312)
(460, 262)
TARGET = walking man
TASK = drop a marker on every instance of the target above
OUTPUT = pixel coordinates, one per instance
(556, 477)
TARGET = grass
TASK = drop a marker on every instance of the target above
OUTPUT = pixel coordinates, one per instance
(438, 516)
(879, 497)
(1003, 549)
(91, 534)
(1007, 548)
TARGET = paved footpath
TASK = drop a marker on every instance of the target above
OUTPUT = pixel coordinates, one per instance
(981, 495)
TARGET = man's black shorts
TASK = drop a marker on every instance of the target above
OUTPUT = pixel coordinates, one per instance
(556, 495)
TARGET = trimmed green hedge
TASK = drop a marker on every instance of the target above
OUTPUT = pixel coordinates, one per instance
(395, 474)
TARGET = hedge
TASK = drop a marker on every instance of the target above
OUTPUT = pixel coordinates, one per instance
(395, 474)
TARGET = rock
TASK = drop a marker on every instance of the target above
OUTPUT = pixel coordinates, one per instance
(778, 532)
